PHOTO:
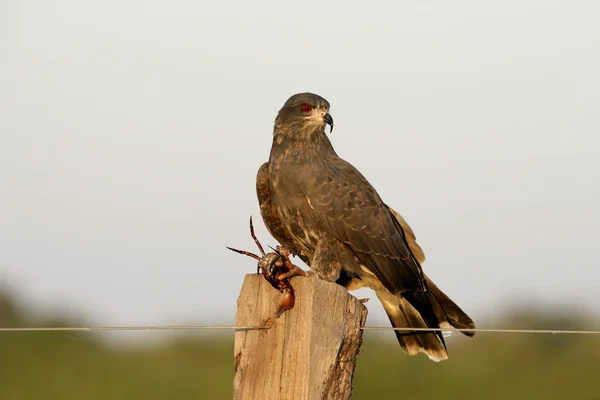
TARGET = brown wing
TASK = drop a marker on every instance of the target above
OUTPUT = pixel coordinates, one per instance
(268, 212)
(409, 236)
(347, 206)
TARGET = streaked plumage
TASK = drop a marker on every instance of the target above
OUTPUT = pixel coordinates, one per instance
(325, 211)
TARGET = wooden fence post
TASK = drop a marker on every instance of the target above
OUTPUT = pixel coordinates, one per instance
(309, 352)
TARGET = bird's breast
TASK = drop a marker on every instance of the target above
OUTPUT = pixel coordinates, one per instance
(294, 208)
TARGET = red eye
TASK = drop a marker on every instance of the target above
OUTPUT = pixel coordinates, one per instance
(306, 107)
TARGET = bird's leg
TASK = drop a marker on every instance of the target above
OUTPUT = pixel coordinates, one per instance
(292, 270)
(325, 263)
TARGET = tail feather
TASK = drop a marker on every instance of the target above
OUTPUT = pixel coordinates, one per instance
(402, 311)
(403, 314)
(448, 311)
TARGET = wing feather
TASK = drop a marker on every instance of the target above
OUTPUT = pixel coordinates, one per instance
(409, 236)
(351, 210)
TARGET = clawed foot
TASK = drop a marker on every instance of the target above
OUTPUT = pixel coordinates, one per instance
(292, 270)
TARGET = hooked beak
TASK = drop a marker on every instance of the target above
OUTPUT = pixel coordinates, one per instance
(328, 120)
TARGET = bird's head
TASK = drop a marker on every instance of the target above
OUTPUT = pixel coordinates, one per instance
(303, 113)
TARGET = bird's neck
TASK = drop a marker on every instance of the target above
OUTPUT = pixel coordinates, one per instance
(300, 143)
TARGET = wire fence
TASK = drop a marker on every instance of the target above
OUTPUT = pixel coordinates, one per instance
(254, 328)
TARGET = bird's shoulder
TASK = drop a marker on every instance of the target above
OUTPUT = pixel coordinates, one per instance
(333, 180)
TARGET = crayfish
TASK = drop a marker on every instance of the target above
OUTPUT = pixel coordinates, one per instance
(277, 269)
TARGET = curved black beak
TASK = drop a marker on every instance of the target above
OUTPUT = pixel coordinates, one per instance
(328, 120)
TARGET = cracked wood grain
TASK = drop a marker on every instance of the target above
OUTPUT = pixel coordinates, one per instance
(308, 353)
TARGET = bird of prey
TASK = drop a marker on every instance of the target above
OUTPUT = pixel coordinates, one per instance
(326, 212)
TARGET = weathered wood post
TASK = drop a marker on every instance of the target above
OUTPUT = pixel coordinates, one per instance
(308, 353)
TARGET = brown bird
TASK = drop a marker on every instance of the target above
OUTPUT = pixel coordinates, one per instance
(327, 213)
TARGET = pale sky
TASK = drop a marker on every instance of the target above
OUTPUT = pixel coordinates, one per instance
(131, 133)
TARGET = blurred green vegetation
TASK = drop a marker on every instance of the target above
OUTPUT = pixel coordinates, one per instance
(66, 365)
